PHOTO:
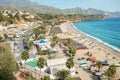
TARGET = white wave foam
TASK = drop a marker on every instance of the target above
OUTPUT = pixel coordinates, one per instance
(105, 43)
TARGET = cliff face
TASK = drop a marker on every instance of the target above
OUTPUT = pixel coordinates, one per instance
(57, 19)
(14, 17)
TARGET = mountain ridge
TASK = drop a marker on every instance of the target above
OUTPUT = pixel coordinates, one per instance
(32, 7)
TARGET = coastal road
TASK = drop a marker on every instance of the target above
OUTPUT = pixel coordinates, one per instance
(19, 48)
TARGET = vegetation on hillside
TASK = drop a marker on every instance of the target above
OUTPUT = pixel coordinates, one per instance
(7, 18)
(56, 19)
(7, 63)
(63, 74)
(39, 32)
(15, 17)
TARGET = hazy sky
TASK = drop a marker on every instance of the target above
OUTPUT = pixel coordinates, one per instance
(107, 5)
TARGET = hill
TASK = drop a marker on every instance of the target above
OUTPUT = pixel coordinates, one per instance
(78, 10)
(28, 6)
(32, 7)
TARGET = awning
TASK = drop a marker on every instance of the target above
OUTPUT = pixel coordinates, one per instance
(42, 41)
(82, 63)
(92, 59)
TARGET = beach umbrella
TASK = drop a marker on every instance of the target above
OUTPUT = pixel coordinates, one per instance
(92, 59)
(87, 57)
(82, 63)
(42, 41)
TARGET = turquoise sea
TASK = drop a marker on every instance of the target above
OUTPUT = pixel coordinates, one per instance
(106, 31)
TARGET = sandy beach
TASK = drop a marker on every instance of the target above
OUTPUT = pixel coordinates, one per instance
(96, 48)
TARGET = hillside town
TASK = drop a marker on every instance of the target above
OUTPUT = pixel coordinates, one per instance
(54, 50)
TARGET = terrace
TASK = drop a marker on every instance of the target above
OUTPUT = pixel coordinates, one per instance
(57, 30)
(73, 44)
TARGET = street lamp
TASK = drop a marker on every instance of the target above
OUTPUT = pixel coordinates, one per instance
(35, 74)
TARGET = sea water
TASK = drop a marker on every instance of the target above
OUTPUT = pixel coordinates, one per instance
(106, 31)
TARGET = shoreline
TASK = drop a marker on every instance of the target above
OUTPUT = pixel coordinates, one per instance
(97, 39)
(97, 49)
(99, 43)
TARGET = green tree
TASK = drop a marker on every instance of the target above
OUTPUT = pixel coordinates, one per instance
(41, 63)
(70, 63)
(36, 31)
(39, 51)
(113, 68)
(17, 16)
(46, 78)
(14, 36)
(0, 38)
(63, 74)
(72, 51)
(6, 75)
(1, 17)
(52, 45)
(42, 30)
(55, 41)
(5, 36)
(99, 65)
(30, 44)
(7, 62)
(69, 40)
(26, 38)
(25, 56)
(110, 72)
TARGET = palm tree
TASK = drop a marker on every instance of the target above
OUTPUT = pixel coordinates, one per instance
(110, 72)
(112, 68)
(0, 38)
(42, 30)
(69, 40)
(63, 74)
(107, 73)
(72, 51)
(14, 36)
(46, 78)
(55, 41)
(52, 44)
(36, 31)
(70, 63)
(25, 56)
(39, 52)
(99, 65)
(5, 36)
(30, 44)
(26, 38)
(41, 62)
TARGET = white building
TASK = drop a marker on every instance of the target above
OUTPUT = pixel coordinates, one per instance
(3, 29)
(55, 65)
(43, 44)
